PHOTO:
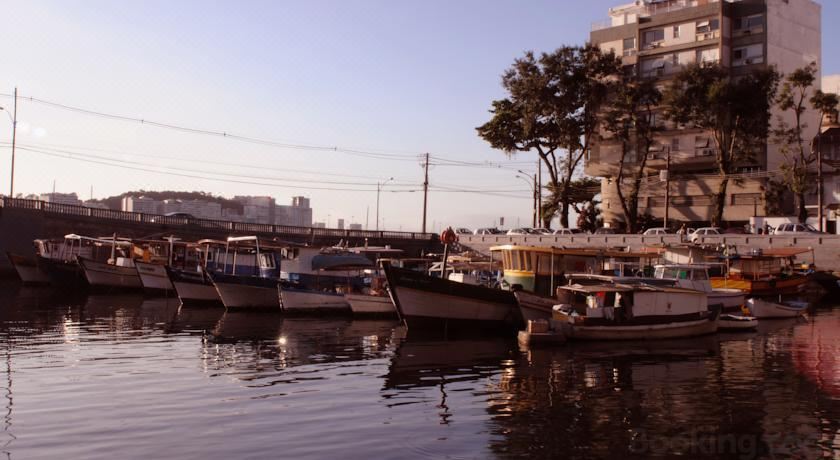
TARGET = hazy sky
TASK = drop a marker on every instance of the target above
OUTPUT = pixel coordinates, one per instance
(395, 78)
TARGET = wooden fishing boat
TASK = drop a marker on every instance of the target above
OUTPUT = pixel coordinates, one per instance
(424, 301)
(632, 312)
(763, 272)
(696, 276)
(27, 269)
(252, 284)
(762, 309)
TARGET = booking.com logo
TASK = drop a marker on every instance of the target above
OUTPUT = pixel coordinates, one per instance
(708, 442)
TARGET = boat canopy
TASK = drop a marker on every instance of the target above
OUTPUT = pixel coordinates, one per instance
(340, 262)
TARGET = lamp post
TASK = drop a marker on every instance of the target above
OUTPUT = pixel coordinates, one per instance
(14, 135)
(379, 189)
(534, 195)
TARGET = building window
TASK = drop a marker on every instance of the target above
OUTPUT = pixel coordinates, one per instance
(630, 43)
(746, 55)
(675, 144)
(710, 25)
(676, 31)
(708, 56)
(653, 37)
(749, 23)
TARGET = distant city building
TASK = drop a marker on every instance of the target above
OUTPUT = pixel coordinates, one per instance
(94, 204)
(319, 225)
(196, 208)
(62, 198)
(257, 209)
(831, 83)
(340, 224)
(299, 214)
(355, 227)
(141, 204)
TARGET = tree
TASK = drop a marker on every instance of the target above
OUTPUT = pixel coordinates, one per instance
(630, 118)
(790, 137)
(589, 218)
(582, 192)
(551, 108)
(735, 110)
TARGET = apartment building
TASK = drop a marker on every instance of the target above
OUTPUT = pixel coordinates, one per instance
(61, 198)
(656, 39)
(298, 214)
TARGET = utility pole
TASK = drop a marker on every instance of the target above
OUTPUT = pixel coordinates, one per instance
(425, 192)
(536, 213)
(667, 185)
(539, 190)
(14, 135)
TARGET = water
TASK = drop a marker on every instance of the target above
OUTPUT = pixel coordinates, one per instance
(123, 377)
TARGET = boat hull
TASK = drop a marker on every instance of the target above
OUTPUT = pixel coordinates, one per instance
(737, 323)
(241, 292)
(728, 299)
(294, 300)
(764, 309)
(672, 330)
(153, 277)
(193, 288)
(425, 301)
(789, 285)
(28, 270)
(534, 307)
(65, 274)
(105, 276)
(362, 304)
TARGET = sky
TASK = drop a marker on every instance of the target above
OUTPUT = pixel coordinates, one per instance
(351, 94)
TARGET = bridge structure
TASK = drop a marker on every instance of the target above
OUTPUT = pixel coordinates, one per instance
(22, 221)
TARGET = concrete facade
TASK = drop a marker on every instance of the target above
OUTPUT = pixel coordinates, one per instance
(658, 39)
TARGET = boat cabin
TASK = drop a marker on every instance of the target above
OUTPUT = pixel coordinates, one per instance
(623, 303)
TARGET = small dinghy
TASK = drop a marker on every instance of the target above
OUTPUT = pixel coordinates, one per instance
(730, 322)
(765, 309)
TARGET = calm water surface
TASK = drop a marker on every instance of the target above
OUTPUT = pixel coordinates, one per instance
(127, 377)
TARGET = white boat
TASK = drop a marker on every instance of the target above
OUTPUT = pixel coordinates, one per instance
(153, 277)
(365, 304)
(696, 276)
(729, 322)
(316, 291)
(765, 309)
(427, 301)
(637, 312)
(119, 274)
(193, 288)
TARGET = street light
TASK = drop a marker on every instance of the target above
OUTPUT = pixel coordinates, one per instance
(533, 186)
(378, 189)
(12, 117)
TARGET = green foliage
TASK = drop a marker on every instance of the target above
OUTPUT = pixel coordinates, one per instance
(629, 117)
(115, 202)
(589, 218)
(551, 109)
(735, 110)
(793, 98)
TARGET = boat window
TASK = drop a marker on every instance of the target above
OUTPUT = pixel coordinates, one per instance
(266, 261)
(699, 275)
(514, 261)
(526, 261)
(659, 273)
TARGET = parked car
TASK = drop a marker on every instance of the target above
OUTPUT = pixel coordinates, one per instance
(605, 231)
(704, 231)
(521, 231)
(540, 231)
(568, 231)
(794, 229)
(488, 231)
(463, 231)
(657, 231)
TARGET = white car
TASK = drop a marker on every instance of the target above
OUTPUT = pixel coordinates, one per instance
(522, 231)
(568, 231)
(794, 229)
(463, 231)
(540, 231)
(704, 231)
(657, 231)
